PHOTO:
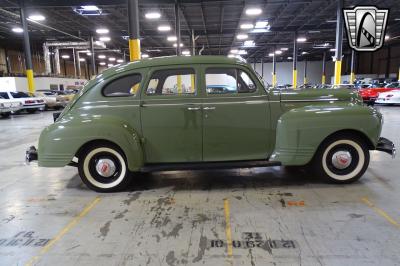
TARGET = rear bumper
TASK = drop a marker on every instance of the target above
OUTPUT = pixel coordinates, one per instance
(33, 106)
(387, 146)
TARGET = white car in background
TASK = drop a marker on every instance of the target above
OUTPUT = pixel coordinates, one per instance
(7, 106)
(29, 103)
(390, 97)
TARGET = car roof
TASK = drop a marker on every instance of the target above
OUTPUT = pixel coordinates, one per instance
(173, 60)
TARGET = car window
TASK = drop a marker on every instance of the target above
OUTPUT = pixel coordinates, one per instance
(172, 82)
(228, 81)
(124, 86)
(4, 95)
(19, 95)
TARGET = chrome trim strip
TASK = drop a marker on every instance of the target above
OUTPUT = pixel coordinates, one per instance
(312, 100)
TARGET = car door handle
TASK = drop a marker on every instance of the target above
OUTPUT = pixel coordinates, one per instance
(193, 108)
(209, 108)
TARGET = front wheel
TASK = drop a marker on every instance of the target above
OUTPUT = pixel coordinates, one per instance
(103, 168)
(342, 159)
(32, 110)
(6, 114)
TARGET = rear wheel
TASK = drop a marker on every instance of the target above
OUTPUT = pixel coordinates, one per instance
(6, 114)
(342, 159)
(103, 168)
(31, 110)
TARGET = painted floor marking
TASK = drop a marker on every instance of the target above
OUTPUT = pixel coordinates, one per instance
(63, 231)
(228, 231)
(380, 212)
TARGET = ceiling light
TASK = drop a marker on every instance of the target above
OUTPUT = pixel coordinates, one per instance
(164, 28)
(332, 50)
(242, 52)
(242, 36)
(111, 59)
(278, 52)
(314, 31)
(88, 53)
(82, 59)
(153, 15)
(102, 31)
(253, 11)
(231, 55)
(37, 17)
(186, 52)
(105, 39)
(260, 30)
(17, 30)
(249, 43)
(110, 65)
(303, 53)
(102, 56)
(301, 39)
(90, 8)
(261, 24)
(284, 49)
(65, 56)
(234, 51)
(145, 55)
(387, 37)
(120, 61)
(176, 45)
(102, 63)
(271, 54)
(290, 58)
(246, 26)
(171, 38)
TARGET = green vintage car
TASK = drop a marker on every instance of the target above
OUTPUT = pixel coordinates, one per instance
(157, 114)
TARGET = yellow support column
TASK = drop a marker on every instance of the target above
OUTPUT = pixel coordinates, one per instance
(305, 80)
(274, 80)
(323, 80)
(338, 72)
(31, 83)
(352, 77)
(134, 32)
(192, 82)
(294, 78)
(134, 49)
(179, 83)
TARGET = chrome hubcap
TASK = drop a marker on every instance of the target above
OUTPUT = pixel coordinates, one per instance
(105, 167)
(341, 159)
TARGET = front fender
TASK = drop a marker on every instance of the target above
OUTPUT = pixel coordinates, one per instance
(59, 142)
(300, 131)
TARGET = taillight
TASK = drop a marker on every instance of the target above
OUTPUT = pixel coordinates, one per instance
(29, 101)
(40, 101)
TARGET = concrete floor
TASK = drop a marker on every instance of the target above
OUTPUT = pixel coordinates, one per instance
(48, 217)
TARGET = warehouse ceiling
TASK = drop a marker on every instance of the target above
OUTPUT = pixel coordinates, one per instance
(215, 24)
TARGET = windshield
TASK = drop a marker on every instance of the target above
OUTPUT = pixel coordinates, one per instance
(4, 95)
(393, 85)
(19, 95)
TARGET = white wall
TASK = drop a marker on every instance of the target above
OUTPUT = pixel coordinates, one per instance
(284, 72)
(41, 83)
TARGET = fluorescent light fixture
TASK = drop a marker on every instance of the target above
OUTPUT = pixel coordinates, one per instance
(111, 59)
(242, 36)
(101, 56)
(332, 50)
(90, 8)
(278, 52)
(105, 39)
(284, 49)
(65, 56)
(234, 51)
(186, 52)
(261, 24)
(246, 26)
(387, 37)
(102, 63)
(110, 65)
(152, 15)
(242, 52)
(145, 55)
(260, 30)
(331, 21)
(231, 55)
(82, 59)
(17, 30)
(253, 11)
(303, 53)
(164, 28)
(88, 53)
(314, 31)
(120, 61)
(249, 43)
(102, 31)
(271, 54)
(37, 17)
(397, 19)
(171, 38)
(290, 58)
(301, 39)
(176, 45)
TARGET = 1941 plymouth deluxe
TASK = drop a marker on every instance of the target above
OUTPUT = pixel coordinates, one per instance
(160, 114)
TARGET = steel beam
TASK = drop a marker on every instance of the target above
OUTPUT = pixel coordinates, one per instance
(274, 69)
(305, 72)
(93, 61)
(339, 42)
(134, 33)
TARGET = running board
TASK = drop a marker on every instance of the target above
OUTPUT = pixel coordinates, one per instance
(207, 165)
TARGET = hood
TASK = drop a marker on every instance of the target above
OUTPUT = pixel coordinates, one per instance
(317, 95)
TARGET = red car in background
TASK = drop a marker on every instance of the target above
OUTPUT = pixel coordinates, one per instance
(369, 95)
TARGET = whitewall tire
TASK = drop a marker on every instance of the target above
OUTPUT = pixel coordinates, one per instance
(103, 168)
(342, 159)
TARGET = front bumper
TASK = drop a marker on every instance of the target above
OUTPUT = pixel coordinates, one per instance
(387, 146)
(10, 109)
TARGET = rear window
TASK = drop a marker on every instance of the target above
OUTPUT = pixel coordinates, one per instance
(4, 95)
(19, 95)
(124, 86)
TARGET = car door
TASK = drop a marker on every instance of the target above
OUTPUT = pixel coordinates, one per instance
(171, 115)
(236, 115)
